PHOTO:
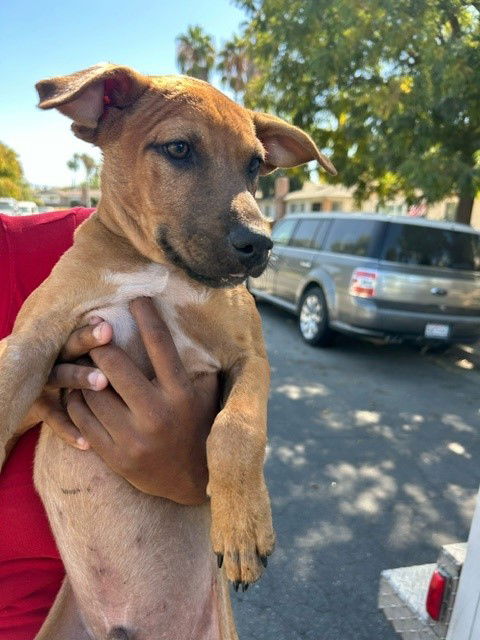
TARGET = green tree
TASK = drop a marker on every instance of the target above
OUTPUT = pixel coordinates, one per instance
(74, 165)
(91, 168)
(235, 65)
(12, 181)
(390, 87)
(195, 53)
(89, 165)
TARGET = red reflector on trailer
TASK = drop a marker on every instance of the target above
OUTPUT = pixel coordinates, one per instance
(435, 594)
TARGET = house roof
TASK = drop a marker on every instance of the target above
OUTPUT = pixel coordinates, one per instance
(312, 190)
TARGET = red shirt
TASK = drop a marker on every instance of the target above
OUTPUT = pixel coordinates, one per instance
(31, 571)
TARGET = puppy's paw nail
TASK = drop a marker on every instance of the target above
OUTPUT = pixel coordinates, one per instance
(236, 584)
(245, 586)
(264, 561)
(219, 560)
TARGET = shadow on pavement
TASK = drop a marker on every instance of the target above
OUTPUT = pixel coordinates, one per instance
(372, 463)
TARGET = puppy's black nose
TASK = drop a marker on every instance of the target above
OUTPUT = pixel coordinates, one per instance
(250, 247)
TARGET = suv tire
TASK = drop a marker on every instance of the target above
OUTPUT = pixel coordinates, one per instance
(313, 318)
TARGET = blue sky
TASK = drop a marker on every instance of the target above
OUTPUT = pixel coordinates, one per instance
(44, 38)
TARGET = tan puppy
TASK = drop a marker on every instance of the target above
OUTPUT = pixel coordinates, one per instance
(177, 222)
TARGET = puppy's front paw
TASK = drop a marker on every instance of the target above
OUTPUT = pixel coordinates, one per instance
(242, 534)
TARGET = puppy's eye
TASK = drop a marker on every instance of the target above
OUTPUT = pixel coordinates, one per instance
(178, 149)
(254, 167)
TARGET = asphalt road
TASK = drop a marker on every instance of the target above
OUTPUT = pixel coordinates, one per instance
(372, 464)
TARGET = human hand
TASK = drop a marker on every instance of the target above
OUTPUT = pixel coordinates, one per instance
(151, 432)
(67, 374)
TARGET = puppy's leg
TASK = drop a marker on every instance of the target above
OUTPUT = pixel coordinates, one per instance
(43, 325)
(26, 358)
(63, 621)
(242, 533)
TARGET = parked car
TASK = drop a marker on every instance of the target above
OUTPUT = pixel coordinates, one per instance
(9, 206)
(26, 208)
(375, 276)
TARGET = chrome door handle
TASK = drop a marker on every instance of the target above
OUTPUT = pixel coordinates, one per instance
(304, 263)
(438, 291)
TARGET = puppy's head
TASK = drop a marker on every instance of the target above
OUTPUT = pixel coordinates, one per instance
(181, 165)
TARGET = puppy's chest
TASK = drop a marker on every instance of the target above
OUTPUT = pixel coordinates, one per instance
(181, 305)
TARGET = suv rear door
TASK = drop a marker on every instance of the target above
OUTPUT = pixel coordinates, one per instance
(429, 270)
(350, 243)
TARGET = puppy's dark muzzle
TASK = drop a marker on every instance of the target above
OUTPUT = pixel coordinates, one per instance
(249, 247)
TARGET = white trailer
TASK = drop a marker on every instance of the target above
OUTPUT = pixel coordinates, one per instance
(437, 601)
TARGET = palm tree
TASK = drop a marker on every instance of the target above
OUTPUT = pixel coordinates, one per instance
(195, 53)
(235, 65)
(89, 166)
(74, 165)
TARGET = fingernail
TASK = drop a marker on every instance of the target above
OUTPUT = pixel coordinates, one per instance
(82, 444)
(97, 380)
(98, 331)
(95, 320)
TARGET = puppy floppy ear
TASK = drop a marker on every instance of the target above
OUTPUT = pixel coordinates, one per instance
(286, 145)
(86, 95)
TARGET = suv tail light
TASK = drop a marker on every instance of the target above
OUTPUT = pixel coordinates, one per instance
(363, 283)
(436, 594)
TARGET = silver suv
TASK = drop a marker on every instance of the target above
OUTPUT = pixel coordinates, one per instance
(376, 276)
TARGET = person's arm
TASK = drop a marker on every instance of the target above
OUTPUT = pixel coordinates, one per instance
(151, 432)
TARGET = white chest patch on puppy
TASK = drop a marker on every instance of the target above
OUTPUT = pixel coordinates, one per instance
(170, 293)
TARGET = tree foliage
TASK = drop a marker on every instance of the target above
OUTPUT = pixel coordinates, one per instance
(197, 56)
(390, 87)
(235, 65)
(91, 168)
(195, 53)
(74, 165)
(12, 181)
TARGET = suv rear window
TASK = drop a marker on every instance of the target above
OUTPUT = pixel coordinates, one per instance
(431, 247)
(353, 237)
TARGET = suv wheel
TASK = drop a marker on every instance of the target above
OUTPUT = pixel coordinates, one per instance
(313, 318)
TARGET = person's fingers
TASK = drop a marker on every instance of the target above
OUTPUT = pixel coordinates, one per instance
(50, 410)
(81, 341)
(158, 341)
(207, 382)
(91, 429)
(122, 373)
(75, 376)
(207, 386)
(109, 409)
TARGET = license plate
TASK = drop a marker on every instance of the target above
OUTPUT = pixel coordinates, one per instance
(437, 331)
